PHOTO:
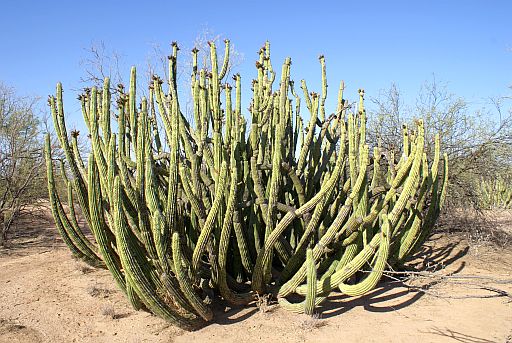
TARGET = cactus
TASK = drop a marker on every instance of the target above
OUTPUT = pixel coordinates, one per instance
(224, 206)
(495, 193)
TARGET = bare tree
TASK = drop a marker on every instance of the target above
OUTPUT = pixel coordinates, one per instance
(100, 61)
(478, 142)
(21, 159)
(387, 118)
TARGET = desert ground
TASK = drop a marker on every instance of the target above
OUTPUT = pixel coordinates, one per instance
(47, 296)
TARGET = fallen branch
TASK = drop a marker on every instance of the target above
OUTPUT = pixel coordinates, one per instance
(443, 276)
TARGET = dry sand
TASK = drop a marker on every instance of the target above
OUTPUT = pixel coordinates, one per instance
(46, 296)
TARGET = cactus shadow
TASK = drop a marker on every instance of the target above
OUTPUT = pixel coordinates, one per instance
(227, 314)
(392, 293)
(123, 315)
(387, 293)
(438, 254)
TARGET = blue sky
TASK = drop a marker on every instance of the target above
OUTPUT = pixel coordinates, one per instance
(369, 44)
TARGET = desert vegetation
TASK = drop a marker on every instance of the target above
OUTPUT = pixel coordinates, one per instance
(289, 198)
(195, 193)
(21, 159)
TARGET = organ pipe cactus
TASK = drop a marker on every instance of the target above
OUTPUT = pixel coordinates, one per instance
(236, 204)
(495, 194)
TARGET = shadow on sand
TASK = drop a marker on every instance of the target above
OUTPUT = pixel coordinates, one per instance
(32, 234)
(390, 295)
(39, 235)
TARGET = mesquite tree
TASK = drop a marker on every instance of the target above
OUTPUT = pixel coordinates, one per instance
(21, 159)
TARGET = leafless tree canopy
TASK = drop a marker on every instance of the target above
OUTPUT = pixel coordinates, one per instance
(101, 61)
(98, 63)
(478, 142)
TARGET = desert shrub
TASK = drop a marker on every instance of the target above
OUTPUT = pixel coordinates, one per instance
(478, 142)
(21, 161)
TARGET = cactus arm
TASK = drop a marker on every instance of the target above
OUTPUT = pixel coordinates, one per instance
(132, 111)
(225, 64)
(135, 268)
(172, 191)
(309, 303)
(98, 227)
(185, 283)
(64, 228)
(57, 111)
(207, 229)
(306, 146)
(105, 107)
(371, 280)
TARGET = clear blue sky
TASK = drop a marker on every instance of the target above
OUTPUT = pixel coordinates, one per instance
(369, 44)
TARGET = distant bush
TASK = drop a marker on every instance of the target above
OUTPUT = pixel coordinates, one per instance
(478, 143)
(20, 158)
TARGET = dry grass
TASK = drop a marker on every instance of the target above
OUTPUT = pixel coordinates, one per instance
(97, 291)
(310, 323)
(109, 312)
(83, 268)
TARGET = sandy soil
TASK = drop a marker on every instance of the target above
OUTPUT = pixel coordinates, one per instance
(46, 296)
